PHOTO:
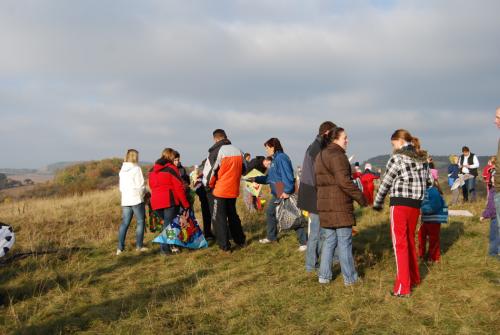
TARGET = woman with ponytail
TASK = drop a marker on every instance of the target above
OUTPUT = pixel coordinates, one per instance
(406, 178)
(335, 197)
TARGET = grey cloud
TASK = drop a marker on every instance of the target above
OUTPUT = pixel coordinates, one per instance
(88, 79)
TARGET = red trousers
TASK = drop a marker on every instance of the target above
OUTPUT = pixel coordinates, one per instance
(403, 225)
(432, 232)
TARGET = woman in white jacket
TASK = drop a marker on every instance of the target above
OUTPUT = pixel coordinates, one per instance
(132, 188)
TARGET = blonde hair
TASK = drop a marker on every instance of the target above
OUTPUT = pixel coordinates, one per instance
(453, 159)
(493, 160)
(168, 154)
(132, 156)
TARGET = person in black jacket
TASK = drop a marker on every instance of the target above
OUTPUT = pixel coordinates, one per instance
(252, 202)
(469, 164)
(307, 196)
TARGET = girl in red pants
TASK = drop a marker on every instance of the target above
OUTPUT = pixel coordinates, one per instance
(434, 212)
(406, 177)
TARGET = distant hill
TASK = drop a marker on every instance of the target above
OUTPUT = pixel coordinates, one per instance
(441, 162)
(54, 167)
(11, 172)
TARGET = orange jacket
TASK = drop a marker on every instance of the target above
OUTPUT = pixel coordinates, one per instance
(223, 170)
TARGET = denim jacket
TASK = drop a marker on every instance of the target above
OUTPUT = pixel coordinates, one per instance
(281, 170)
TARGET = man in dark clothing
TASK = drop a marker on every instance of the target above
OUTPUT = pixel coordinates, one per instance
(307, 200)
(222, 176)
(197, 185)
(469, 164)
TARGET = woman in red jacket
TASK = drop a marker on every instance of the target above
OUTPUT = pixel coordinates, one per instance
(167, 190)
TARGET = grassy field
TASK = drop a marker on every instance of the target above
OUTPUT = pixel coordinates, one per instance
(85, 288)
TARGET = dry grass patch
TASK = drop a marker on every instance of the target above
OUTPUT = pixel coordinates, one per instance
(257, 290)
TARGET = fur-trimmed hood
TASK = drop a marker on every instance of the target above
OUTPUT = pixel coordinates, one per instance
(409, 151)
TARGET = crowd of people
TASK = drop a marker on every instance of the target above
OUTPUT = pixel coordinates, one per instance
(326, 193)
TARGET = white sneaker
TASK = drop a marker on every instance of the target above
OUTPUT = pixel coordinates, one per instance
(265, 241)
(174, 249)
(142, 249)
(323, 281)
(302, 248)
(118, 252)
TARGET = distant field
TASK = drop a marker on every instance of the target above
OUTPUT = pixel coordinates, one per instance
(84, 288)
(36, 177)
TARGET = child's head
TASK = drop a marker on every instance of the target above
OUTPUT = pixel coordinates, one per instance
(454, 159)
(493, 160)
(267, 161)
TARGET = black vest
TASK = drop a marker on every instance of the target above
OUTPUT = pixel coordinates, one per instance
(470, 161)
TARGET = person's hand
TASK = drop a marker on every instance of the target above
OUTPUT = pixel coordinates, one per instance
(285, 196)
(250, 179)
(481, 218)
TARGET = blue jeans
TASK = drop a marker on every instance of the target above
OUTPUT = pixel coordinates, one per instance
(332, 239)
(497, 207)
(313, 243)
(272, 224)
(127, 213)
(168, 214)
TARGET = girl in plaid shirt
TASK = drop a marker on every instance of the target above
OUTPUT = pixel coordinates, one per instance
(406, 178)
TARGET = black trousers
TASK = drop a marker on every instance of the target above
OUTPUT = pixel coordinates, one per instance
(227, 222)
(206, 212)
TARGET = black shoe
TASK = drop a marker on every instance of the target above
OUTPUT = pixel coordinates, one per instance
(396, 295)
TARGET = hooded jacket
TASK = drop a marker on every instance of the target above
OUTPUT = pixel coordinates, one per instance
(167, 188)
(223, 169)
(307, 188)
(132, 185)
(406, 177)
(336, 189)
(434, 209)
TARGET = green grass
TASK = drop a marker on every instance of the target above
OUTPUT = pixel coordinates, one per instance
(256, 290)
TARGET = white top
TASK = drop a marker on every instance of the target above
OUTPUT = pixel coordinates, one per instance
(132, 184)
(475, 164)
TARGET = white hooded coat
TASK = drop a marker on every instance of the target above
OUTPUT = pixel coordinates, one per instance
(132, 185)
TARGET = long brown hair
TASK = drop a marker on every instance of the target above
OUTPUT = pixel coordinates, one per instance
(275, 144)
(403, 134)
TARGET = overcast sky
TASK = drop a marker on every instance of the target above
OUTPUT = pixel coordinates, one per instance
(87, 79)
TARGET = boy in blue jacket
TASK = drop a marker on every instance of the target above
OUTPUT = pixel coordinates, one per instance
(434, 213)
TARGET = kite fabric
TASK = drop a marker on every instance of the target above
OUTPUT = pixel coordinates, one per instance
(253, 188)
(7, 239)
(460, 181)
(183, 232)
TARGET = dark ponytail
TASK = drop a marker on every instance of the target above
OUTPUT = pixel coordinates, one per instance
(330, 136)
